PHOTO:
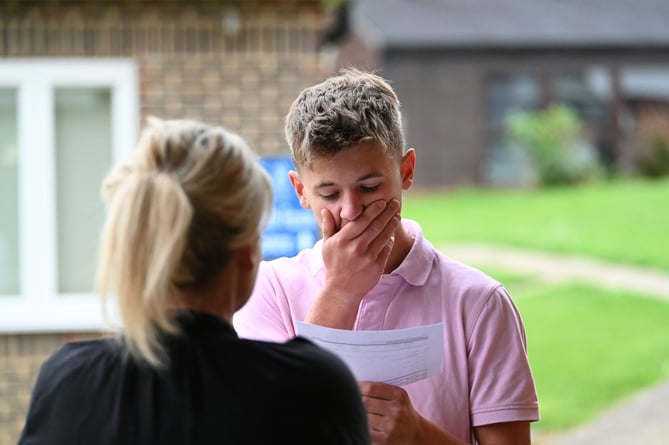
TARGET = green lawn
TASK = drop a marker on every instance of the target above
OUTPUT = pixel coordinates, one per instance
(625, 221)
(588, 347)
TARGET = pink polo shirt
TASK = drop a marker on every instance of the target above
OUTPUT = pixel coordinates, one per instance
(486, 377)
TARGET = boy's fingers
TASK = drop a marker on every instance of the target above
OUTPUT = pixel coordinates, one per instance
(383, 225)
(328, 226)
(373, 221)
(383, 243)
(353, 229)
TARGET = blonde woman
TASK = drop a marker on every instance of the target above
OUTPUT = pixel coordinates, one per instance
(179, 255)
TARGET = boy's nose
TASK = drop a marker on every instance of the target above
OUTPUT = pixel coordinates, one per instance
(351, 208)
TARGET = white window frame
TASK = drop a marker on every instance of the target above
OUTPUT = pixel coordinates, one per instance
(39, 307)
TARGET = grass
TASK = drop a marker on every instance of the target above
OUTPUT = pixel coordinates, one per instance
(622, 221)
(589, 347)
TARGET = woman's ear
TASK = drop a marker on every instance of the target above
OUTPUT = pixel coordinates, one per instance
(246, 257)
(407, 168)
(298, 185)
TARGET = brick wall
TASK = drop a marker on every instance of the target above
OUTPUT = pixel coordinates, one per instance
(248, 94)
(238, 63)
(22, 356)
(190, 63)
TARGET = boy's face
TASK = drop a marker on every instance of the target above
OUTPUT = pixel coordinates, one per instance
(349, 181)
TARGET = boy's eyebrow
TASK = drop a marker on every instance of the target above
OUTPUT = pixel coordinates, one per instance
(365, 177)
(324, 184)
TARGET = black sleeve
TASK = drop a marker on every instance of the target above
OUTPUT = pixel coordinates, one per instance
(57, 401)
(44, 423)
(341, 417)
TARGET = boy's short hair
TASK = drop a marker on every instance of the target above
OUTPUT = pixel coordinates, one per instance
(348, 109)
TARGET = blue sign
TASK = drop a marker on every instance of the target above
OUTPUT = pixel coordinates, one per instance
(292, 227)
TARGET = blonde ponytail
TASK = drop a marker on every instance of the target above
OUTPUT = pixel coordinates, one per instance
(189, 195)
(143, 242)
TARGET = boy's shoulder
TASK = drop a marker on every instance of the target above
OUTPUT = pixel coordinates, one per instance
(437, 261)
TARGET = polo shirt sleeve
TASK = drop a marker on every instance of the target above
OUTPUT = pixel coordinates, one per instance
(266, 315)
(502, 386)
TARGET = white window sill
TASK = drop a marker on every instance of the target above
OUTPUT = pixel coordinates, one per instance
(80, 313)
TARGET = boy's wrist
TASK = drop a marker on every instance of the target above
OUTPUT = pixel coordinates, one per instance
(334, 308)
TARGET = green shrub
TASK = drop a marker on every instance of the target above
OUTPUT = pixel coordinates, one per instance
(552, 139)
(653, 158)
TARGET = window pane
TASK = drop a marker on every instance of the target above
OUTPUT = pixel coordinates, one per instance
(9, 197)
(588, 94)
(645, 93)
(506, 95)
(510, 94)
(576, 90)
(83, 155)
(645, 119)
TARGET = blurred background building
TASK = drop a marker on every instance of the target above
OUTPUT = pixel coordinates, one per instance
(462, 68)
(77, 78)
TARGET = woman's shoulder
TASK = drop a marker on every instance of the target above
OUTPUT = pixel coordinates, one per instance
(306, 369)
(300, 356)
(73, 358)
(65, 377)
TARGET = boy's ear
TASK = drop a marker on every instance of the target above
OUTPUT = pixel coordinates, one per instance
(407, 168)
(299, 188)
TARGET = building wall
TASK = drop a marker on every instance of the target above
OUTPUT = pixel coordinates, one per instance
(238, 63)
(441, 113)
(443, 95)
(191, 64)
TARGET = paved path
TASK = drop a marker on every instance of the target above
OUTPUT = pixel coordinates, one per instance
(644, 417)
(560, 268)
(641, 419)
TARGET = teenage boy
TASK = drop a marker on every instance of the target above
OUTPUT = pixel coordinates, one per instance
(373, 270)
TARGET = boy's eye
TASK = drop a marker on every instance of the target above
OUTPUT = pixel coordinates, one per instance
(330, 196)
(369, 188)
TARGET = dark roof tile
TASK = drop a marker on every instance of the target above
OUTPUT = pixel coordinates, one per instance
(513, 23)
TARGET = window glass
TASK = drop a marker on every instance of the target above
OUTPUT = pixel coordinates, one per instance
(507, 94)
(588, 94)
(645, 96)
(578, 92)
(510, 94)
(644, 119)
(83, 156)
(9, 195)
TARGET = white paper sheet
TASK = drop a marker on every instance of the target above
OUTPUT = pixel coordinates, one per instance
(398, 356)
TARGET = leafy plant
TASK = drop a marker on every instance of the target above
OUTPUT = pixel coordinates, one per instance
(653, 158)
(552, 138)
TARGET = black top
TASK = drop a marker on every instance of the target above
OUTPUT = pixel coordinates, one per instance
(217, 389)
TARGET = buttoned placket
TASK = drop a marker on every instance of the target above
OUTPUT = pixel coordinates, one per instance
(373, 308)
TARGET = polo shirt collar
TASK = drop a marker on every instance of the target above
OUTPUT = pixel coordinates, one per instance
(416, 266)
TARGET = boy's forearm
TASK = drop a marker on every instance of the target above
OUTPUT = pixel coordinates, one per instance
(431, 434)
(333, 310)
